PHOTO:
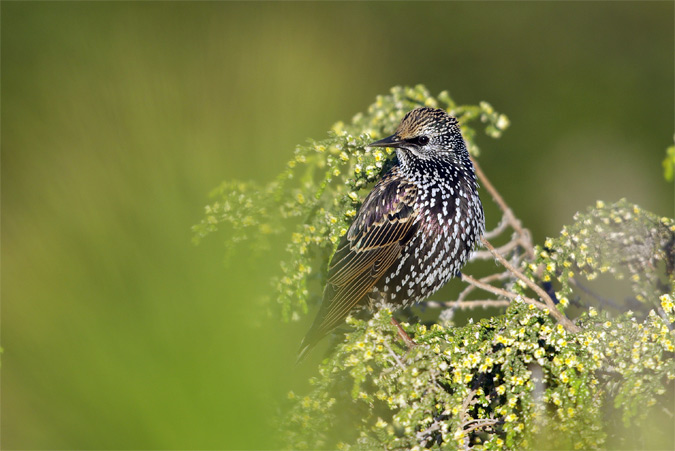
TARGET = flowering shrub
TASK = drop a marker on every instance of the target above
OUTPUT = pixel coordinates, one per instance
(528, 378)
(510, 382)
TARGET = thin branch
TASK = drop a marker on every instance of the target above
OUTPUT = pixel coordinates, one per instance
(498, 291)
(523, 234)
(471, 424)
(424, 436)
(487, 279)
(481, 423)
(503, 225)
(393, 354)
(549, 304)
(469, 305)
(468, 401)
(403, 335)
(505, 249)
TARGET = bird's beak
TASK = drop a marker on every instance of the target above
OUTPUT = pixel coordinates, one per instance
(389, 141)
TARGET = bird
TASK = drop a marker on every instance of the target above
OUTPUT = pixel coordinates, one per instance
(415, 229)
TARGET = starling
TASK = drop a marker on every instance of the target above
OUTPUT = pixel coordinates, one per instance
(415, 229)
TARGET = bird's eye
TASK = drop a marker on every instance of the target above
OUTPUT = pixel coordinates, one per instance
(423, 140)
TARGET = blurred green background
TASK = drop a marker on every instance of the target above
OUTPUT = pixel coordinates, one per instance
(118, 118)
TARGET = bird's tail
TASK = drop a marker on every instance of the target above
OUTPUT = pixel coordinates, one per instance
(310, 340)
(319, 328)
(305, 347)
(302, 353)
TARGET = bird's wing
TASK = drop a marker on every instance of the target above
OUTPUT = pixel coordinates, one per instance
(383, 226)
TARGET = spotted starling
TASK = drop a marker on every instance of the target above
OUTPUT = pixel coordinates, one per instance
(415, 229)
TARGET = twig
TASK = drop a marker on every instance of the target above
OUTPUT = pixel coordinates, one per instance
(480, 423)
(464, 415)
(466, 403)
(549, 304)
(469, 305)
(505, 249)
(487, 279)
(471, 424)
(403, 335)
(509, 217)
(494, 290)
(393, 354)
(424, 436)
(503, 225)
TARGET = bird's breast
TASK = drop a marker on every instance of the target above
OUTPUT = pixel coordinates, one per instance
(449, 221)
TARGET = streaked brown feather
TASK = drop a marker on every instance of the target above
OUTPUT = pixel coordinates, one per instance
(348, 295)
(372, 244)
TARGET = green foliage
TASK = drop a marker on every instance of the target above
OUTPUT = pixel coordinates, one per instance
(322, 187)
(515, 381)
(620, 239)
(510, 382)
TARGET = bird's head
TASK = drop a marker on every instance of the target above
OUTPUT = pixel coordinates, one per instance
(426, 133)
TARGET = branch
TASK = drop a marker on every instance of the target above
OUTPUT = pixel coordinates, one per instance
(485, 255)
(393, 354)
(487, 279)
(503, 225)
(549, 304)
(470, 305)
(501, 292)
(523, 234)
(480, 423)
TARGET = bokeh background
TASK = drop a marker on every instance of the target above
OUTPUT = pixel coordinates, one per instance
(118, 118)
